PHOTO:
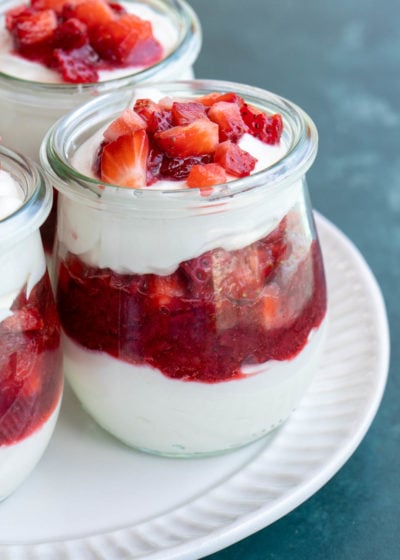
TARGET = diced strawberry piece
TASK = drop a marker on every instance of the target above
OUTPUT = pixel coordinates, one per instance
(16, 15)
(127, 40)
(236, 274)
(70, 34)
(215, 97)
(127, 123)
(117, 8)
(234, 160)
(154, 162)
(228, 118)
(187, 112)
(91, 12)
(145, 108)
(76, 66)
(56, 5)
(35, 29)
(159, 121)
(267, 128)
(163, 289)
(206, 175)
(194, 139)
(123, 162)
(271, 307)
(179, 168)
(199, 274)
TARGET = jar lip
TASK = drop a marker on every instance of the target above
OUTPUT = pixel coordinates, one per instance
(302, 138)
(185, 52)
(37, 201)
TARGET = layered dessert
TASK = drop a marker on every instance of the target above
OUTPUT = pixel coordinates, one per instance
(190, 325)
(30, 352)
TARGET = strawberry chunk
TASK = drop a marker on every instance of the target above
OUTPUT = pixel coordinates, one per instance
(267, 128)
(76, 66)
(229, 119)
(56, 5)
(16, 15)
(146, 107)
(234, 160)
(179, 168)
(194, 139)
(187, 112)
(163, 290)
(123, 162)
(206, 175)
(230, 97)
(70, 34)
(33, 32)
(236, 274)
(127, 40)
(91, 12)
(127, 123)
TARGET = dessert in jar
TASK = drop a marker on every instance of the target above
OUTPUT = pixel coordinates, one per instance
(55, 54)
(189, 277)
(30, 350)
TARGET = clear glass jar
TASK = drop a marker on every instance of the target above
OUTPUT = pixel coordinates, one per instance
(191, 324)
(29, 107)
(30, 347)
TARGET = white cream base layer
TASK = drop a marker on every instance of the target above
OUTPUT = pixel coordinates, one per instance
(24, 264)
(149, 411)
(11, 195)
(19, 459)
(26, 116)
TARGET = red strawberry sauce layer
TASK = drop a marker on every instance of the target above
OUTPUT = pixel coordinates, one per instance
(30, 364)
(213, 315)
(79, 38)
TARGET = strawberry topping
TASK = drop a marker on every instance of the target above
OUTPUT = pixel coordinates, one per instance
(123, 161)
(53, 33)
(193, 140)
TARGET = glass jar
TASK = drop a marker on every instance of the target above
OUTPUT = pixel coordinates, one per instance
(191, 324)
(30, 107)
(30, 348)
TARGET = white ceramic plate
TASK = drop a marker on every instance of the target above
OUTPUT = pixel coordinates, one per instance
(92, 498)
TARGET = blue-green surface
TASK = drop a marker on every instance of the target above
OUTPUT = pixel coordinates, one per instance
(340, 61)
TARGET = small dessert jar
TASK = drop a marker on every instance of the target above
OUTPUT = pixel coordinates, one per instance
(191, 324)
(30, 101)
(30, 350)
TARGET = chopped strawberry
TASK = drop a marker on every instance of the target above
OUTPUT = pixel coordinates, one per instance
(117, 8)
(194, 139)
(23, 320)
(272, 315)
(267, 128)
(159, 121)
(228, 118)
(179, 168)
(211, 98)
(199, 275)
(154, 162)
(77, 66)
(206, 175)
(32, 33)
(127, 40)
(91, 12)
(127, 123)
(163, 289)
(234, 160)
(70, 34)
(187, 112)
(236, 274)
(146, 107)
(123, 162)
(16, 15)
(56, 5)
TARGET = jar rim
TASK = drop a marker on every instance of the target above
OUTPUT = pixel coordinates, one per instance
(184, 53)
(300, 130)
(37, 201)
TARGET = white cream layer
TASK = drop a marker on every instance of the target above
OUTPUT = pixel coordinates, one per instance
(19, 459)
(157, 241)
(150, 411)
(14, 65)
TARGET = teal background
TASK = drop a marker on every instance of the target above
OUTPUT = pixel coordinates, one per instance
(340, 61)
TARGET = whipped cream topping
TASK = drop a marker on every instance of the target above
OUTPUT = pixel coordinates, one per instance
(15, 65)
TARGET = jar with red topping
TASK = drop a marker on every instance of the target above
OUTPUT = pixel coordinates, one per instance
(189, 277)
(30, 351)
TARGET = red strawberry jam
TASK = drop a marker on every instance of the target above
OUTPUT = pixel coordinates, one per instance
(79, 38)
(214, 314)
(30, 364)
